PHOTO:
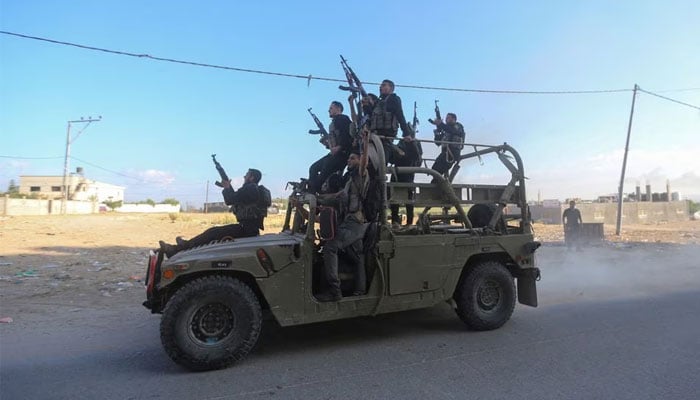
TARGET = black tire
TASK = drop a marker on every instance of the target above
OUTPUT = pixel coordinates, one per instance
(485, 296)
(210, 323)
(480, 215)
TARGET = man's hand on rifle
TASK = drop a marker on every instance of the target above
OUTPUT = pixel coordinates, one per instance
(437, 121)
(352, 96)
(226, 183)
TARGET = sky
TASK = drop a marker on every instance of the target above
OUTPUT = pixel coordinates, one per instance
(162, 121)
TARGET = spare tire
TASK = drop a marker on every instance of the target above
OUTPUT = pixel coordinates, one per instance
(480, 215)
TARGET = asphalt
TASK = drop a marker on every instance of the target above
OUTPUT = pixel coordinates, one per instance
(604, 329)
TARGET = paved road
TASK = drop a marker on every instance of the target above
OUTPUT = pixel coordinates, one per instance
(613, 330)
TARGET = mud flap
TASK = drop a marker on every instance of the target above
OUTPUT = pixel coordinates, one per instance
(527, 287)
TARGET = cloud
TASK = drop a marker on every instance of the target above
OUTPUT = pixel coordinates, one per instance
(153, 176)
(599, 174)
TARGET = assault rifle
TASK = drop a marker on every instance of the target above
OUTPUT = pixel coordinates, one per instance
(321, 129)
(354, 83)
(437, 113)
(415, 122)
(414, 125)
(222, 173)
(354, 86)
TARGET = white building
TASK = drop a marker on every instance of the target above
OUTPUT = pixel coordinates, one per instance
(79, 188)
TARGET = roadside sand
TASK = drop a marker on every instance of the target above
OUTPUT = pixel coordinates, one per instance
(100, 260)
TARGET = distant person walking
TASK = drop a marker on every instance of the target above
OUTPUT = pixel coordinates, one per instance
(571, 219)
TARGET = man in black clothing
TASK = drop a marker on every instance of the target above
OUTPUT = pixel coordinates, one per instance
(448, 131)
(244, 204)
(410, 158)
(571, 219)
(339, 144)
(387, 116)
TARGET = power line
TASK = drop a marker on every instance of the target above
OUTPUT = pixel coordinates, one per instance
(31, 158)
(309, 77)
(679, 90)
(669, 99)
(105, 169)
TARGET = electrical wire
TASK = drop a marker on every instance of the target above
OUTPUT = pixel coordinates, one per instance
(668, 98)
(105, 169)
(310, 77)
(31, 158)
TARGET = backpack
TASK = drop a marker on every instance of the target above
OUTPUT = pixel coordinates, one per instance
(264, 200)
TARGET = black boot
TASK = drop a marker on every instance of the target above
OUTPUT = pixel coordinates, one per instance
(169, 249)
(328, 297)
(182, 242)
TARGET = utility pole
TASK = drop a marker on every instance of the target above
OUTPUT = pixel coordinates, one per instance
(82, 120)
(624, 164)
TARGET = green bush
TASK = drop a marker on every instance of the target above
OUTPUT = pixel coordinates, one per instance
(112, 204)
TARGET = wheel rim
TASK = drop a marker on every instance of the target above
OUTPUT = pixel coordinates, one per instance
(212, 323)
(489, 294)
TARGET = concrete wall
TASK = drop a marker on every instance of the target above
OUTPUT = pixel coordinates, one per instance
(10, 206)
(147, 208)
(632, 212)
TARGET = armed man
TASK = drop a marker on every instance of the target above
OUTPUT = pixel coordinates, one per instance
(246, 203)
(339, 144)
(349, 233)
(410, 156)
(449, 131)
(387, 116)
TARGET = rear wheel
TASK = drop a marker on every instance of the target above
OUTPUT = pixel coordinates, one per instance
(485, 296)
(210, 323)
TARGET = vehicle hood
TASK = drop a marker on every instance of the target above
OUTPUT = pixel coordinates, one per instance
(238, 247)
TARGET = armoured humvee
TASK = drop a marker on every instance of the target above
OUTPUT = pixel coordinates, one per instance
(466, 249)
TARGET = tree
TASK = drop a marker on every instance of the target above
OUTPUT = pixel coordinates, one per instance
(12, 187)
(693, 207)
(171, 201)
(112, 204)
(147, 201)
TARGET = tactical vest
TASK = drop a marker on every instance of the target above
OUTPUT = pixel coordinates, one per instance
(246, 211)
(456, 137)
(382, 119)
(459, 136)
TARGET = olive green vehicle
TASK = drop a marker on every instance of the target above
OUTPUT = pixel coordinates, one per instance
(466, 249)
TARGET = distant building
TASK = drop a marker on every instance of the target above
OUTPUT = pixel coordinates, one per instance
(79, 188)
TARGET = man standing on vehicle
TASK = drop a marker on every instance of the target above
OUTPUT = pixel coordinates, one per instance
(339, 144)
(411, 158)
(448, 131)
(245, 204)
(387, 116)
(571, 219)
(349, 234)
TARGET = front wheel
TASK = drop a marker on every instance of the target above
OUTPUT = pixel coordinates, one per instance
(485, 296)
(210, 323)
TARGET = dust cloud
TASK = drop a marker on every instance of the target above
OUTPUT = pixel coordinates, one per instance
(616, 270)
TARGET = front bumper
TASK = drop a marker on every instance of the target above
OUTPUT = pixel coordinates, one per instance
(153, 301)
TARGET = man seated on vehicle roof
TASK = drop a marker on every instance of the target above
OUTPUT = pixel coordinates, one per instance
(245, 204)
(348, 236)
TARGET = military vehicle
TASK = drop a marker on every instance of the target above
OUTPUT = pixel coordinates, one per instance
(467, 248)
